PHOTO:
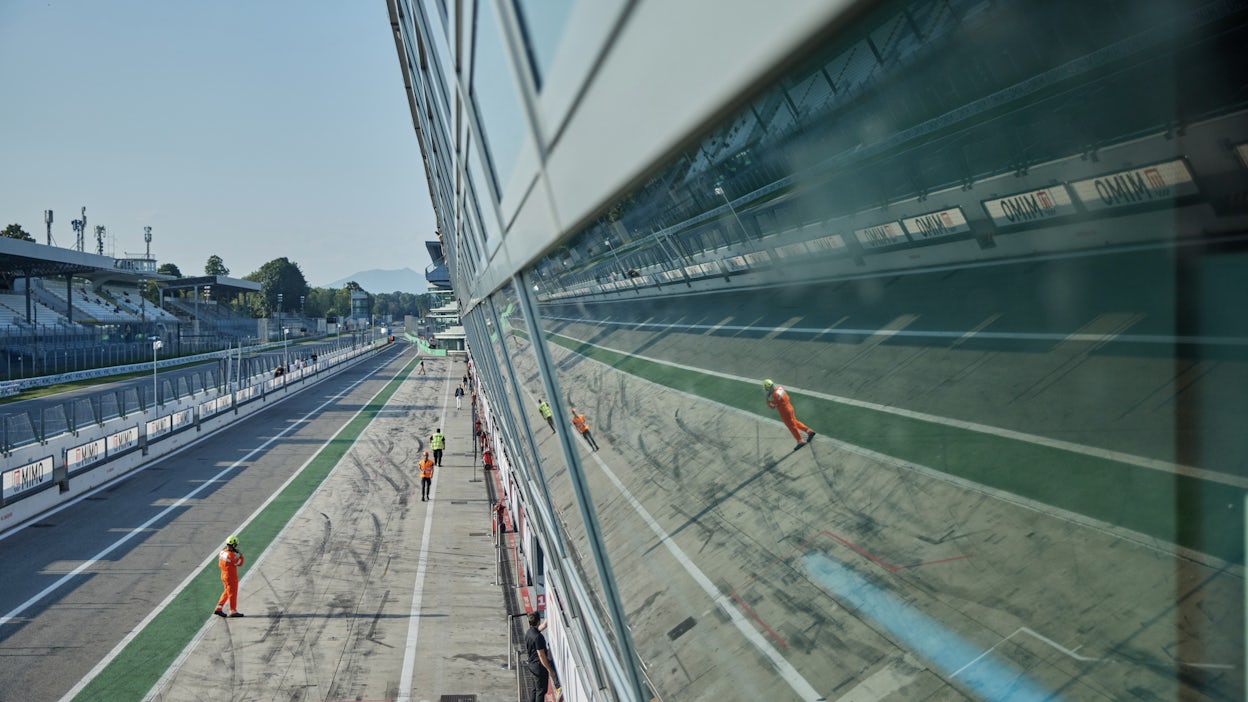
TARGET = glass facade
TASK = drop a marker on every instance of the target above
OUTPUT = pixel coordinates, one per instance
(915, 370)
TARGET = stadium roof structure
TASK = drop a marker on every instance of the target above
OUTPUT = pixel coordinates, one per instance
(40, 260)
(216, 282)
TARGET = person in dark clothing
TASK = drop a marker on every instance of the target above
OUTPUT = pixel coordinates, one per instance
(540, 666)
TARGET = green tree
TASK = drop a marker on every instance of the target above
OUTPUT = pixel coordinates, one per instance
(169, 269)
(15, 231)
(279, 276)
(342, 300)
(215, 266)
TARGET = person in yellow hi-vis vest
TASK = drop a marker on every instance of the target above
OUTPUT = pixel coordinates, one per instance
(547, 414)
(426, 477)
(437, 442)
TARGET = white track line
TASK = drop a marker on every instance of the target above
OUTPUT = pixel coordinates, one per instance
(787, 672)
(418, 591)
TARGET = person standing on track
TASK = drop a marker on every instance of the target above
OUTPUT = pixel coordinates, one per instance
(578, 420)
(228, 561)
(437, 442)
(778, 400)
(426, 477)
(547, 414)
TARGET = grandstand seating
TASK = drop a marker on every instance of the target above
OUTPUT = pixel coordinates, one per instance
(14, 310)
(90, 307)
(129, 299)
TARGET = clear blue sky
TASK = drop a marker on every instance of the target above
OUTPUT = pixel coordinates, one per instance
(249, 129)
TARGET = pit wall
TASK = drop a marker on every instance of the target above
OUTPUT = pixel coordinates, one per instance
(40, 477)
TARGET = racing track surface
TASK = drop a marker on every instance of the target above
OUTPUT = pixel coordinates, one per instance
(51, 645)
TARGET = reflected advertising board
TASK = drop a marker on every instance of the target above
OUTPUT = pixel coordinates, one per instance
(885, 234)
(1031, 206)
(1136, 186)
(832, 242)
(934, 225)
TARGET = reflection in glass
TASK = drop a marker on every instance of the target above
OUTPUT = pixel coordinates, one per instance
(543, 22)
(974, 244)
(497, 103)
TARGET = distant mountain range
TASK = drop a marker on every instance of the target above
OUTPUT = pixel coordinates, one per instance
(379, 281)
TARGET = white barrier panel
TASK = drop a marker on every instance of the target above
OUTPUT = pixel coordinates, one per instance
(25, 478)
(159, 427)
(209, 408)
(123, 440)
(84, 455)
(181, 419)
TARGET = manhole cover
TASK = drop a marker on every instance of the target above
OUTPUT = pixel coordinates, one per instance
(457, 698)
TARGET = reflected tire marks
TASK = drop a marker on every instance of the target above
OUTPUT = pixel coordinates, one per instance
(980, 565)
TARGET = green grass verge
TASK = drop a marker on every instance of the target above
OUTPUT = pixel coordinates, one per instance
(141, 664)
(1198, 514)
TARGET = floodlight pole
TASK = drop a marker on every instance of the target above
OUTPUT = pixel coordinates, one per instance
(155, 382)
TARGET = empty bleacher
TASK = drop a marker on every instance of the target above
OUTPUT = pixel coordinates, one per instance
(90, 307)
(13, 309)
(130, 300)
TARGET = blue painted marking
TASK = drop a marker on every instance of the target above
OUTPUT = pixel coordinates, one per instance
(989, 677)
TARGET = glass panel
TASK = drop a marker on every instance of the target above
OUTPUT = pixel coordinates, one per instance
(494, 95)
(83, 413)
(543, 22)
(478, 192)
(54, 421)
(441, 65)
(550, 469)
(926, 370)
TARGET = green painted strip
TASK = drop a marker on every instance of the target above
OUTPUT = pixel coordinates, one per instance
(1197, 514)
(141, 663)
